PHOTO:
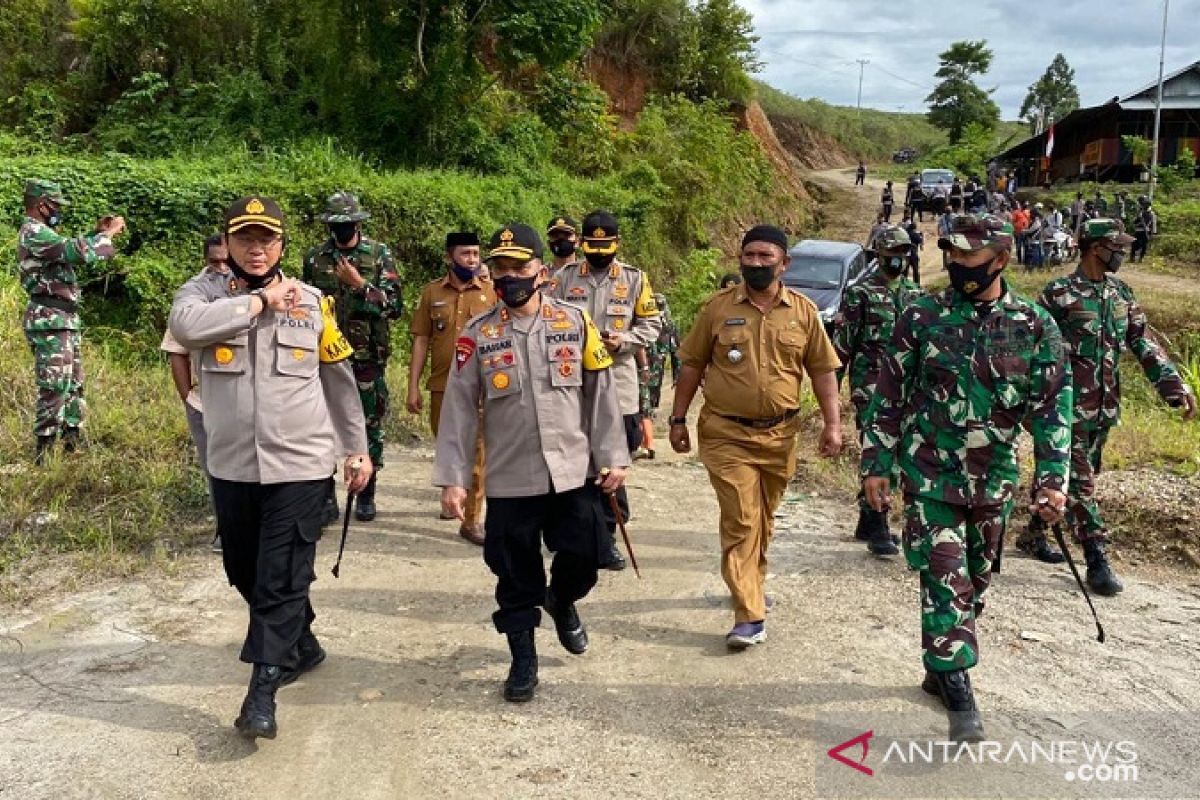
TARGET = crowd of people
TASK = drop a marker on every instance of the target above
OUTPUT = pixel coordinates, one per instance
(543, 370)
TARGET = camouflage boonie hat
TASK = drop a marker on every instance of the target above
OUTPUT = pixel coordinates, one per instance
(343, 207)
(893, 237)
(35, 188)
(1104, 228)
(970, 232)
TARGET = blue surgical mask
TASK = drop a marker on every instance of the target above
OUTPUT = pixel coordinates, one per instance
(464, 274)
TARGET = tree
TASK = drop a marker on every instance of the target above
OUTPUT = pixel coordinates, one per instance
(957, 101)
(1051, 97)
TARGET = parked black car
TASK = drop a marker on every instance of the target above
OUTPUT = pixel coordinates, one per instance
(823, 270)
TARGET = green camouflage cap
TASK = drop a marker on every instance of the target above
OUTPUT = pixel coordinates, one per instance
(37, 187)
(893, 237)
(1104, 228)
(970, 232)
(343, 207)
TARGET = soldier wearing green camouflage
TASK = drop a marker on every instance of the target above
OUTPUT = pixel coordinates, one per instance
(48, 262)
(361, 276)
(664, 349)
(966, 367)
(862, 336)
(1100, 319)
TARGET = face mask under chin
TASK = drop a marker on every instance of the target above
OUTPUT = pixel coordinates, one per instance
(253, 281)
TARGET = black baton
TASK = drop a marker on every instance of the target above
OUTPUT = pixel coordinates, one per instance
(1062, 544)
(345, 530)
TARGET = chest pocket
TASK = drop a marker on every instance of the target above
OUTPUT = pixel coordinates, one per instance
(732, 344)
(501, 373)
(1118, 325)
(439, 318)
(296, 352)
(566, 365)
(619, 313)
(945, 354)
(225, 358)
(880, 320)
(789, 347)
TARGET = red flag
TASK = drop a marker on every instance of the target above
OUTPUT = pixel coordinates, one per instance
(1050, 142)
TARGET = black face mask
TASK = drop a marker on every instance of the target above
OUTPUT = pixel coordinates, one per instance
(514, 291)
(892, 266)
(758, 278)
(971, 281)
(253, 281)
(562, 248)
(599, 262)
(343, 232)
(1114, 262)
(53, 216)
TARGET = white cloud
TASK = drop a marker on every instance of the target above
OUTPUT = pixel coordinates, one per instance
(809, 47)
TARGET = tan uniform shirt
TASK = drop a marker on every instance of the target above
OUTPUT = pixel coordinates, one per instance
(620, 301)
(755, 361)
(550, 414)
(280, 400)
(441, 314)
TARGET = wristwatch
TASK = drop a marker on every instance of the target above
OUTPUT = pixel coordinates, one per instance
(261, 294)
(678, 420)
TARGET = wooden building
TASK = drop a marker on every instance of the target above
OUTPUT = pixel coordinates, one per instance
(1087, 142)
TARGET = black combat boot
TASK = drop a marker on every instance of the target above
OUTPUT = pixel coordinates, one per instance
(1033, 543)
(73, 440)
(1100, 576)
(881, 543)
(522, 675)
(309, 654)
(959, 700)
(571, 632)
(365, 508)
(258, 709)
(611, 558)
(930, 685)
(45, 444)
(862, 531)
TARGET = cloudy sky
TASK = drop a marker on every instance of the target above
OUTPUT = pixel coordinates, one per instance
(809, 47)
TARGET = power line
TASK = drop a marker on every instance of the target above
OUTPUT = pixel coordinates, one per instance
(862, 63)
(902, 78)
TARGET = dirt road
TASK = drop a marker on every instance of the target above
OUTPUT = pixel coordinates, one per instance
(129, 690)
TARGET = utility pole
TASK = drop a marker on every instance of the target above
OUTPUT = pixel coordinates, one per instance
(862, 63)
(1162, 54)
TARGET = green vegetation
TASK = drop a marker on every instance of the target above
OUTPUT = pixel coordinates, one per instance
(1051, 97)
(957, 103)
(869, 134)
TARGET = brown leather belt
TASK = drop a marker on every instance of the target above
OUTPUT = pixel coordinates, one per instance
(761, 424)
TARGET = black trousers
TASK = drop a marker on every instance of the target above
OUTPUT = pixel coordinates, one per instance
(1141, 246)
(269, 538)
(572, 527)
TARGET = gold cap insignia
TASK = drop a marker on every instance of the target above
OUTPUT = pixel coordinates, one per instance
(255, 206)
(506, 236)
(560, 221)
(598, 233)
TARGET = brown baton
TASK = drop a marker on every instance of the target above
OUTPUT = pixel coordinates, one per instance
(616, 509)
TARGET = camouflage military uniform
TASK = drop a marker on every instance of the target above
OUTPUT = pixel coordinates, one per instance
(47, 262)
(362, 314)
(664, 348)
(863, 335)
(1100, 320)
(950, 401)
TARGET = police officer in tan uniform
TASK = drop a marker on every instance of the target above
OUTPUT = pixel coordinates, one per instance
(562, 237)
(445, 307)
(621, 302)
(281, 411)
(553, 433)
(753, 343)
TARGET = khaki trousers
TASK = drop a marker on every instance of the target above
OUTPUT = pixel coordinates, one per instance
(749, 470)
(474, 508)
